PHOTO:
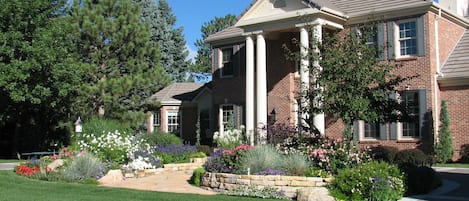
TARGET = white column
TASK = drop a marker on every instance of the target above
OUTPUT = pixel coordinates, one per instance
(304, 74)
(221, 127)
(319, 119)
(261, 89)
(250, 89)
(150, 120)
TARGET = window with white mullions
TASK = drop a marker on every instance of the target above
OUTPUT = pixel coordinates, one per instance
(157, 120)
(228, 117)
(227, 62)
(371, 130)
(173, 120)
(408, 38)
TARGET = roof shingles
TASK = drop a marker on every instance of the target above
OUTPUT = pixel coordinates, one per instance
(457, 65)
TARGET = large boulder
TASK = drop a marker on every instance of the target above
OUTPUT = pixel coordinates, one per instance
(111, 177)
(314, 194)
(55, 164)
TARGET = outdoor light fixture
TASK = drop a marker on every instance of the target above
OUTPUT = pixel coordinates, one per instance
(78, 126)
(273, 115)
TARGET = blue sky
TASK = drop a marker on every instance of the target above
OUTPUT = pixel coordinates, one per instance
(191, 14)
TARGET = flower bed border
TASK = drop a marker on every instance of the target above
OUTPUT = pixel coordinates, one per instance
(288, 184)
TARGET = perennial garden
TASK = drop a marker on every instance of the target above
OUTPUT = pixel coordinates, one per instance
(269, 171)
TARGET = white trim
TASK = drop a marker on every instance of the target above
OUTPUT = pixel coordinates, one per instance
(419, 37)
(221, 62)
(361, 132)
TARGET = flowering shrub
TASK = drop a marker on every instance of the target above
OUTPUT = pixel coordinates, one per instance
(334, 154)
(367, 181)
(226, 161)
(265, 193)
(231, 138)
(271, 172)
(175, 153)
(27, 171)
(110, 146)
(142, 158)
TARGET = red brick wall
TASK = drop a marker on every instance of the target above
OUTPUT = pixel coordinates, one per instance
(457, 99)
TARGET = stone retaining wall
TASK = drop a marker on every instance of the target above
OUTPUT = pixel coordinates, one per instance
(289, 184)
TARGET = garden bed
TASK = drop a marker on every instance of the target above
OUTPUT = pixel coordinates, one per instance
(290, 185)
(196, 163)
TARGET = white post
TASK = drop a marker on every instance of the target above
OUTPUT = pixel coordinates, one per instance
(261, 89)
(221, 127)
(304, 74)
(250, 89)
(319, 119)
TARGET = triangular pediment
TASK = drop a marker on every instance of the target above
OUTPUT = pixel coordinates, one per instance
(265, 10)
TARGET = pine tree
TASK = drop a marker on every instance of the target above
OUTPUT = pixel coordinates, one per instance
(170, 40)
(444, 146)
(203, 61)
(123, 64)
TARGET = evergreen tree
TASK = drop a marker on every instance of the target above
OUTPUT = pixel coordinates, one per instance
(170, 40)
(39, 72)
(123, 64)
(444, 146)
(203, 61)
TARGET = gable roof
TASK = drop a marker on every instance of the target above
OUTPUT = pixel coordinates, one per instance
(176, 93)
(354, 8)
(457, 65)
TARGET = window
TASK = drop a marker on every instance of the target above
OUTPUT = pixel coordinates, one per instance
(371, 130)
(157, 119)
(227, 69)
(228, 117)
(408, 38)
(410, 128)
(173, 120)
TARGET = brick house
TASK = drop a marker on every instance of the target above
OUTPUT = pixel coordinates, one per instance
(182, 105)
(252, 79)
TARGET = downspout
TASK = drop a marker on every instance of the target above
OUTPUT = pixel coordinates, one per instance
(435, 81)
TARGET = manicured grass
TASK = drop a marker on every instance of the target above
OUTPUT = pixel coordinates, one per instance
(18, 188)
(455, 165)
(10, 161)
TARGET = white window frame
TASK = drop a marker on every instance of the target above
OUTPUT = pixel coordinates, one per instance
(361, 132)
(225, 117)
(222, 62)
(170, 113)
(419, 38)
(400, 125)
(157, 120)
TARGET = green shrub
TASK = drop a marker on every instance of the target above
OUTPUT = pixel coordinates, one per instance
(198, 155)
(161, 138)
(205, 149)
(410, 158)
(265, 193)
(316, 172)
(385, 153)
(295, 164)
(196, 178)
(421, 180)
(98, 125)
(261, 158)
(90, 181)
(464, 154)
(84, 167)
(174, 153)
(367, 181)
(444, 146)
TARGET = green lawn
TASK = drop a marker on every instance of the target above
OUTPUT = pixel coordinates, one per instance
(18, 188)
(455, 165)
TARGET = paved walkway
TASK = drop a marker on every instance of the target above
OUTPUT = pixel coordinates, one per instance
(7, 166)
(174, 182)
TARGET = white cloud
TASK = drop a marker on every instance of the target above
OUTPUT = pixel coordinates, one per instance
(192, 54)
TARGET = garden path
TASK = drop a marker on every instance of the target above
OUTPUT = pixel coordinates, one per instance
(168, 181)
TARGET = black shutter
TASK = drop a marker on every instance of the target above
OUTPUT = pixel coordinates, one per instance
(391, 53)
(382, 132)
(236, 60)
(393, 131)
(381, 42)
(356, 131)
(216, 63)
(424, 124)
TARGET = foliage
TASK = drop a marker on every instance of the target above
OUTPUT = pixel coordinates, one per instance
(410, 158)
(83, 167)
(265, 193)
(160, 138)
(203, 61)
(175, 153)
(367, 181)
(421, 180)
(100, 125)
(444, 145)
(295, 164)
(13, 187)
(316, 172)
(464, 153)
(231, 138)
(27, 171)
(122, 68)
(196, 177)
(170, 39)
(40, 73)
(356, 84)
(205, 149)
(385, 153)
(198, 155)
(112, 147)
(260, 158)
(226, 161)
